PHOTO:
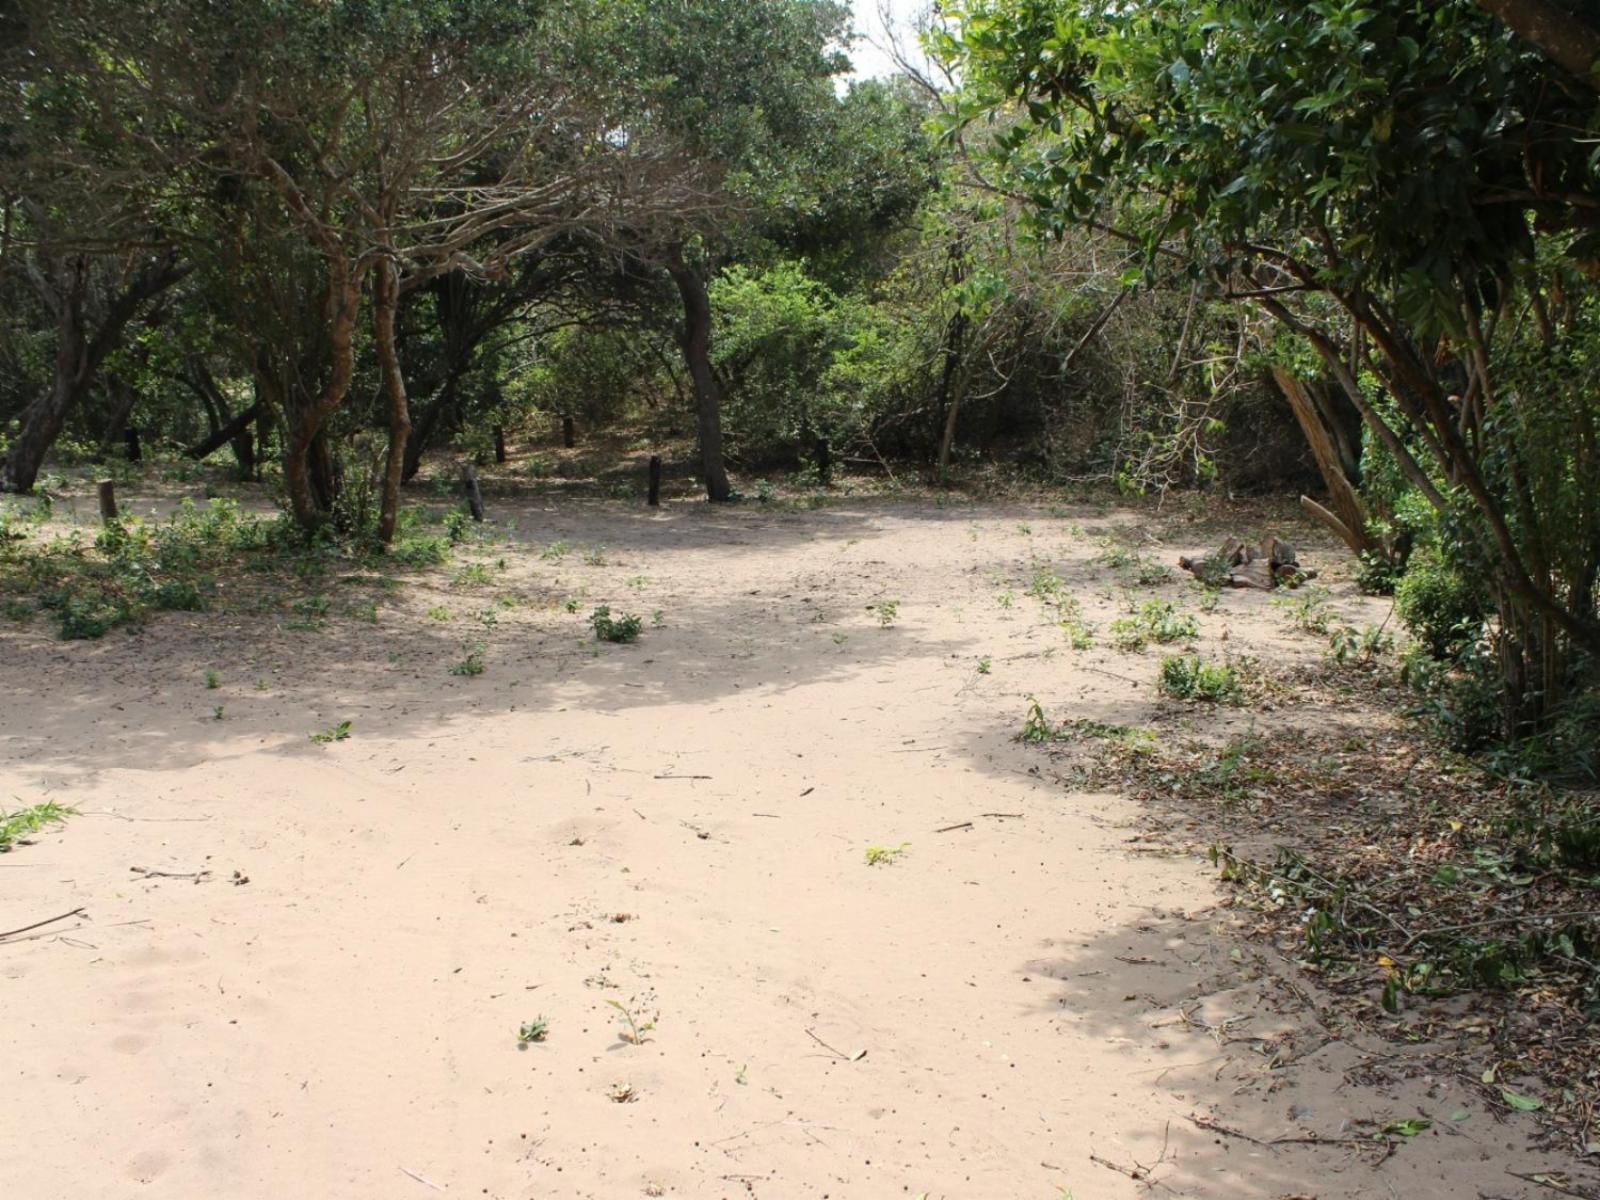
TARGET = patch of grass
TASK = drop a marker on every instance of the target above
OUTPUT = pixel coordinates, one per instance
(333, 733)
(1190, 678)
(213, 681)
(886, 856)
(555, 551)
(595, 556)
(624, 628)
(439, 613)
(15, 826)
(887, 611)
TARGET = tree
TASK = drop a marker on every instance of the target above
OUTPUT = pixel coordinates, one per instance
(1378, 178)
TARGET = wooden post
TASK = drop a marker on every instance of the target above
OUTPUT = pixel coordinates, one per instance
(499, 444)
(655, 481)
(469, 481)
(569, 436)
(108, 501)
(824, 461)
(130, 437)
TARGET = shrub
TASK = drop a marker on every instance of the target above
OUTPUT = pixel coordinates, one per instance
(1441, 606)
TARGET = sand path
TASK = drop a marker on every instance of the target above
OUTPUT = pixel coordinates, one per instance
(679, 826)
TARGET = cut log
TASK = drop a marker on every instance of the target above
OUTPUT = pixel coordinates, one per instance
(1238, 564)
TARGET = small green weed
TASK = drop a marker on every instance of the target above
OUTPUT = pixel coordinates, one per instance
(1153, 621)
(1308, 609)
(213, 681)
(633, 1032)
(17, 825)
(333, 733)
(555, 551)
(984, 665)
(535, 1030)
(439, 613)
(472, 575)
(607, 628)
(1194, 679)
(472, 664)
(1079, 635)
(1350, 645)
(886, 856)
(887, 611)
(1036, 726)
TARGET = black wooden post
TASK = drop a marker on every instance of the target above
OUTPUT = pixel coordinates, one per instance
(130, 437)
(824, 461)
(655, 481)
(569, 435)
(499, 444)
(469, 481)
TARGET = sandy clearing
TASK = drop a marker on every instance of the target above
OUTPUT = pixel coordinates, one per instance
(344, 1024)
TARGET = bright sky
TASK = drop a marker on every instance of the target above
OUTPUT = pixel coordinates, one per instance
(869, 60)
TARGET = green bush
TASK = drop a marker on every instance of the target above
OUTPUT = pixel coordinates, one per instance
(1442, 607)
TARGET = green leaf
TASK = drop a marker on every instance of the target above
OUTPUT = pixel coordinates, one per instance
(1521, 1103)
(1409, 1127)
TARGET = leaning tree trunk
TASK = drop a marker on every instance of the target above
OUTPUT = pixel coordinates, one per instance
(43, 420)
(1347, 517)
(386, 299)
(79, 354)
(697, 357)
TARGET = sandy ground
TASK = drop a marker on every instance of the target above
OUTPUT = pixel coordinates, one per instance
(680, 827)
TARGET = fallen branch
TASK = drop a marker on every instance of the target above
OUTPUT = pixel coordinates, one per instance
(40, 924)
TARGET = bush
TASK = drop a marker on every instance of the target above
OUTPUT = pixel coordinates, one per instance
(1441, 606)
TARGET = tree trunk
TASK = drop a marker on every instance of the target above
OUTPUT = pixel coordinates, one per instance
(697, 357)
(1347, 518)
(78, 356)
(125, 396)
(312, 486)
(42, 420)
(1572, 44)
(386, 297)
(237, 429)
(955, 332)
